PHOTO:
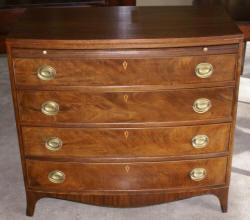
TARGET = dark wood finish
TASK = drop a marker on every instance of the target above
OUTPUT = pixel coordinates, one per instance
(139, 71)
(11, 10)
(157, 27)
(245, 28)
(85, 143)
(77, 107)
(13, 4)
(129, 199)
(135, 53)
(24, 4)
(8, 17)
(237, 9)
(125, 176)
(102, 110)
(121, 2)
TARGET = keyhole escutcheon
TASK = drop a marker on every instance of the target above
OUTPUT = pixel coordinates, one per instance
(125, 64)
(125, 98)
(127, 168)
(126, 134)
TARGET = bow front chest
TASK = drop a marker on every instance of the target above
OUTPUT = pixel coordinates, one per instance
(125, 106)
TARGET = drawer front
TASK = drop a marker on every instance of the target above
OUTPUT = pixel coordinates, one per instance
(107, 72)
(130, 176)
(78, 107)
(84, 143)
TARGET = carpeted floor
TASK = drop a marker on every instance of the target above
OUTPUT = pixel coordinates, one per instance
(12, 194)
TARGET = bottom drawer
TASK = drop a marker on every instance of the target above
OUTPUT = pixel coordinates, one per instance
(126, 176)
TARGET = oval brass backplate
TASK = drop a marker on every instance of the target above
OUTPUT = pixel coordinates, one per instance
(202, 105)
(204, 70)
(200, 141)
(198, 174)
(46, 73)
(50, 108)
(53, 143)
(56, 176)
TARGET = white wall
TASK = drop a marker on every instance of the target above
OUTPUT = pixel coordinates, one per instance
(162, 2)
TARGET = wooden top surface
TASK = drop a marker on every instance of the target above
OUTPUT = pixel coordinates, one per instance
(6, 4)
(239, 10)
(125, 24)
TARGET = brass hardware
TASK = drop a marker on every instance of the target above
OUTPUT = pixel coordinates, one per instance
(126, 98)
(126, 134)
(205, 49)
(198, 174)
(56, 176)
(125, 65)
(53, 143)
(44, 52)
(50, 108)
(202, 105)
(127, 168)
(200, 141)
(46, 73)
(204, 70)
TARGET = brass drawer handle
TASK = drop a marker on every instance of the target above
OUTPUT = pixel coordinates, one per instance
(200, 141)
(46, 73)
(56, 176)
(50, 108)
(204, 70)
(53, 143)
(198, 174)
(202, 105)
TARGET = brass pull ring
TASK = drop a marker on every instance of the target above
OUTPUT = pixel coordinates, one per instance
(200, 141)
(46, 73)
(53, 143)
(198, 174)
(204, 70)
(56, 176)
(50, 108)
(202, 105)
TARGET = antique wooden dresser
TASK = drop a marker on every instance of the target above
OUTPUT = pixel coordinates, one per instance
(126, 106)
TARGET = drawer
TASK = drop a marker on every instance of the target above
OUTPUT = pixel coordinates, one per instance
(107, 142)
(160, 106)
(130, 176)
(108, 72)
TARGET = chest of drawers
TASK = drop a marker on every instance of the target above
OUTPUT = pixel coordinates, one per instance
(134, 108)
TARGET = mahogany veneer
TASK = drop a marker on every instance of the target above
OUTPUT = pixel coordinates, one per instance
(88, 143)
(126, 106)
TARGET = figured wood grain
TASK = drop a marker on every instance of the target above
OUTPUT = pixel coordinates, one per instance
(151, 142)
(76, 107)
(100, 72)
(128, 199)
(125, 176)
(185, 31)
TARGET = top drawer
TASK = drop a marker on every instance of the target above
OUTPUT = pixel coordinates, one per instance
(120, 68)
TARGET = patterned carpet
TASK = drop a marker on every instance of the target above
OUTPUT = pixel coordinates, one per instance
(13, 203)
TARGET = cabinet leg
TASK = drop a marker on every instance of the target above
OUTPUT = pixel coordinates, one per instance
(31, 198)
(223, 197)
